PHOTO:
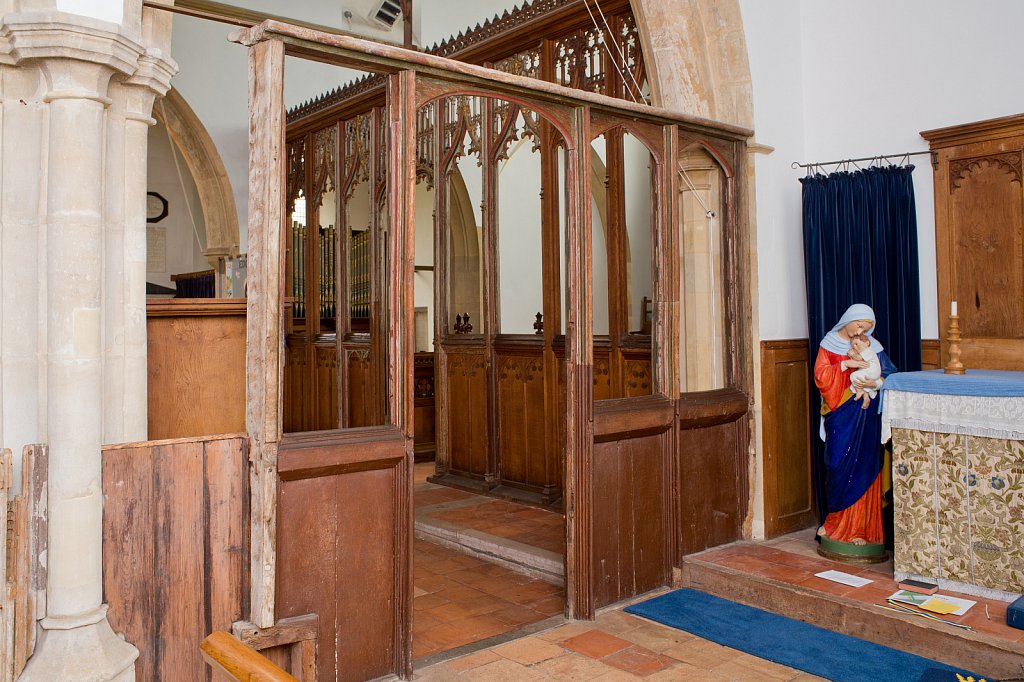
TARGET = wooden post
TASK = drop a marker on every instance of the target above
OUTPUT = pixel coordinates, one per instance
(264, 356)
(666, 337)
(401, 119)
(442, 267)
(579, 370)
(618, 245)
(492, 301)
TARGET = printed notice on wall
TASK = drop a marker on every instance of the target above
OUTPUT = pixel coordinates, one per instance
(156, 249)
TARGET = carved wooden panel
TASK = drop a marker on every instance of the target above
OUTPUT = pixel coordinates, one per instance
(360, 409)
(296, 381)
(987, 237)
(637, 374)
(325, 395)
(424, 417)
(979, 234)
(786, 428)
(602, 374)
(343, 545)
(522, 446)
(467, 412)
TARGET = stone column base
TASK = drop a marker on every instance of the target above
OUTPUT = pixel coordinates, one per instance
(81, 649)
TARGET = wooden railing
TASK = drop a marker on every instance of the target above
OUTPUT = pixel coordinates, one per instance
(239, 662)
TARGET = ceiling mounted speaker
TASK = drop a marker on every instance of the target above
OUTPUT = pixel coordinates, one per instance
(387, 13)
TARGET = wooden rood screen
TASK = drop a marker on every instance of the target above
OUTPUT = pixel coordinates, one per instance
(332, 511)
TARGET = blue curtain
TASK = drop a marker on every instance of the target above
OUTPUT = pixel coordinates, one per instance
(860, 246)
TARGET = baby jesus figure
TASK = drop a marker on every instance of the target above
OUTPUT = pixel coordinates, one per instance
(860, 349)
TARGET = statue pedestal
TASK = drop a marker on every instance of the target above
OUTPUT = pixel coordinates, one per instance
(848, 552)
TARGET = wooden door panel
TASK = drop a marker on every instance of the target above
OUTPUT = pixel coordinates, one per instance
(631, 504)
(466, 412)
(343, 545)
(711, 469)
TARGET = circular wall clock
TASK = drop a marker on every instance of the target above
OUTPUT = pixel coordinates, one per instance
(156, 207)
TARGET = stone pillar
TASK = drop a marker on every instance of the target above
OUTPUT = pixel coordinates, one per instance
(125, 350)
(90, 231)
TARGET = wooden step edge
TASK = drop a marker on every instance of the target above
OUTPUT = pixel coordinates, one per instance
(974, 651)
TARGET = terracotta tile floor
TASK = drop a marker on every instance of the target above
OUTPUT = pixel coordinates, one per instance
(793, 559)
(459, 600)
(617, 646)
(511, 521)
(501, 518)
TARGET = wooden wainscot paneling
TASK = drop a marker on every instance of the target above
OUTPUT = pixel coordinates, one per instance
(466, 413)
(930, 355)
(343, 545)
(196, 367)
(424, 433)
(632, 498)
(175, 547)
(523, 450)
(712, 468)
(786, 436)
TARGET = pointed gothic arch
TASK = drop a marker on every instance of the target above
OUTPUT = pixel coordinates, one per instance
(197, 148)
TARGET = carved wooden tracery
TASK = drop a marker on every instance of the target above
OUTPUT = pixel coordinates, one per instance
(557, 372)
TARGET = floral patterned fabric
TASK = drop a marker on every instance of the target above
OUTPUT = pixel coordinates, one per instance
(959, 508)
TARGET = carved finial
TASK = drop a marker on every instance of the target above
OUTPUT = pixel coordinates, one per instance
(458, 324)
(538, 326)
(466, 324)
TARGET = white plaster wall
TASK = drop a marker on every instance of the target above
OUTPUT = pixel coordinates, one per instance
(184, 250)
(636, 163)
(850, 79)
(423, 281)
(107, 10)
(520, 270)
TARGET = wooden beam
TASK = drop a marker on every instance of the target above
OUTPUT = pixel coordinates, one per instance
(367, 55)
(264, 358)
(407, 24)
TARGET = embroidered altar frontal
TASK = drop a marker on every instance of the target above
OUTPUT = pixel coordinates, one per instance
(959, 512)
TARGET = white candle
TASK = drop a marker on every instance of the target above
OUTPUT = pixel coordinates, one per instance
(952, 310)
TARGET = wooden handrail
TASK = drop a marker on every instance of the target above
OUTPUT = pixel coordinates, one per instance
(240, 662)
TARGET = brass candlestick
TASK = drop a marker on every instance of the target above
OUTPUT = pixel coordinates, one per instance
(954, 366)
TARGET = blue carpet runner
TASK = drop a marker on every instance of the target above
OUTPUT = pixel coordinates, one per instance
(786, 641)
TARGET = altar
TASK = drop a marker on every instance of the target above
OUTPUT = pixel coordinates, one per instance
(958, 478)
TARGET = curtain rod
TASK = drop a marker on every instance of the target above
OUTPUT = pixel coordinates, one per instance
(882, 157)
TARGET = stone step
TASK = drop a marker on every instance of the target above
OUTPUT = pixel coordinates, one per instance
(975, 651)
(515, 556)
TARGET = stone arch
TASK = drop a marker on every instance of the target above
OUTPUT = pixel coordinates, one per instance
(204, 163)
(695, 52)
